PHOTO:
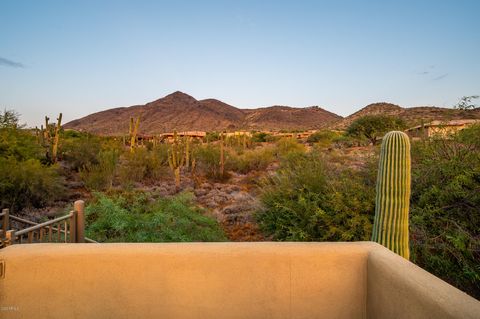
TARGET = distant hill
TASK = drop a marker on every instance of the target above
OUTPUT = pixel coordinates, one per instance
(181, 112)
(411, 115)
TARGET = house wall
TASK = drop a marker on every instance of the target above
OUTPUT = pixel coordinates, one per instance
(222, 280)
(399, 289)
(216, 280)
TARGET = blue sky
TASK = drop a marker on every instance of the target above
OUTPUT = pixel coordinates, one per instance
(79, 57)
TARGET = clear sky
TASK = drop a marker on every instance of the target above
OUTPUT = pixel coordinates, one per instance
(79, 57)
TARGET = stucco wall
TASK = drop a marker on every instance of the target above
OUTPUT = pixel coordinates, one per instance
(399, 289)
(219, 280)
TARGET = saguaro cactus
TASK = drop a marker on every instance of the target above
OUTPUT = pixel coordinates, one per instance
(46, 140)
(393, 194)
(56, 138)
(176, 159)
(222, 154)
(133, 133)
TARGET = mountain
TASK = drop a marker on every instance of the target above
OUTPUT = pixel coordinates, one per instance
(181, 112)
(411, 115)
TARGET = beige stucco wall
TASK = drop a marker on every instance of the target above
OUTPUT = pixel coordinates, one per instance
(399, 289)
(218, 280)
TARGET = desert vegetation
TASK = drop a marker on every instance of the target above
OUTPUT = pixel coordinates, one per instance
(256, 186)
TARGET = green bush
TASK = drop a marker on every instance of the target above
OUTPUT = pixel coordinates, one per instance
(287, 145)
(133, 218)
(308, 199)
(250, 160)
(19, 144)
(144, 165)
(445, 208)
(322, 138)
(259, 137)
(79, 150)
(100, 176)
(208, 160)
(28, 183)
(373, 127)
(24, 180)
(346, 141)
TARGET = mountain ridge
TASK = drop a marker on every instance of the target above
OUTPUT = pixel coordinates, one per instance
(182, 112)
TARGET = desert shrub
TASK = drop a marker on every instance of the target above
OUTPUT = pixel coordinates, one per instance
(28, 183)
(372, 127)
(346, 141)
(322, 138)
(259, 137)
(445, 209)
(80, 150)
(19, 144)
(255, 159)
(121, 218)
(100, 176)
(288, 145)
(144, 165)
(212, 136)
(308, 199)
(272, 138)
(208, 160)
(24, 180)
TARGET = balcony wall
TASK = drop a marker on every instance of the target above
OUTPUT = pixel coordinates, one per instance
(222, 280)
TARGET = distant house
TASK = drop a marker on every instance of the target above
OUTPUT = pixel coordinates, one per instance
(439, 128)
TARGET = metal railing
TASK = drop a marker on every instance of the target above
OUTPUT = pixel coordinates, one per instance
(69, 228)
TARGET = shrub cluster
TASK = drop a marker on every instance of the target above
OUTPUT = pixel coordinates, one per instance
(308, 199)
(135, 218)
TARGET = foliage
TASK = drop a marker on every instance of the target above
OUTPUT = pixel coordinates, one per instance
(19, 144)
(373, 126)
(24, 180)
(80, 150)
(100, 176)
(28, 183)
(347, 141)
(445, 209)
(208, 160)
(255, 159)
(212, 136)
(287, 145)
(310, 199)
(259, 137)
(133, 218)
(466, 103)
(323, 138)
(9, 119)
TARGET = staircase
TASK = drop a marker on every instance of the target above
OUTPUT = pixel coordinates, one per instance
(69, 228)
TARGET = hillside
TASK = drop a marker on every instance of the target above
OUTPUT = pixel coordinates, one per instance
(180, 111)
(411, 115)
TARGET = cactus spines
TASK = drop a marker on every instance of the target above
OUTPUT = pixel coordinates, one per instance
(392, 201)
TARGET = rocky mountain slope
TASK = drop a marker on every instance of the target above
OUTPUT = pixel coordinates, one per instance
(181, 112)
(411, 115)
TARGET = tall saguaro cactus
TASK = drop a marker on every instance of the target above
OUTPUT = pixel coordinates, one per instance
(133, 130)
(392, 202)
(56, 138)
(176, 159)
